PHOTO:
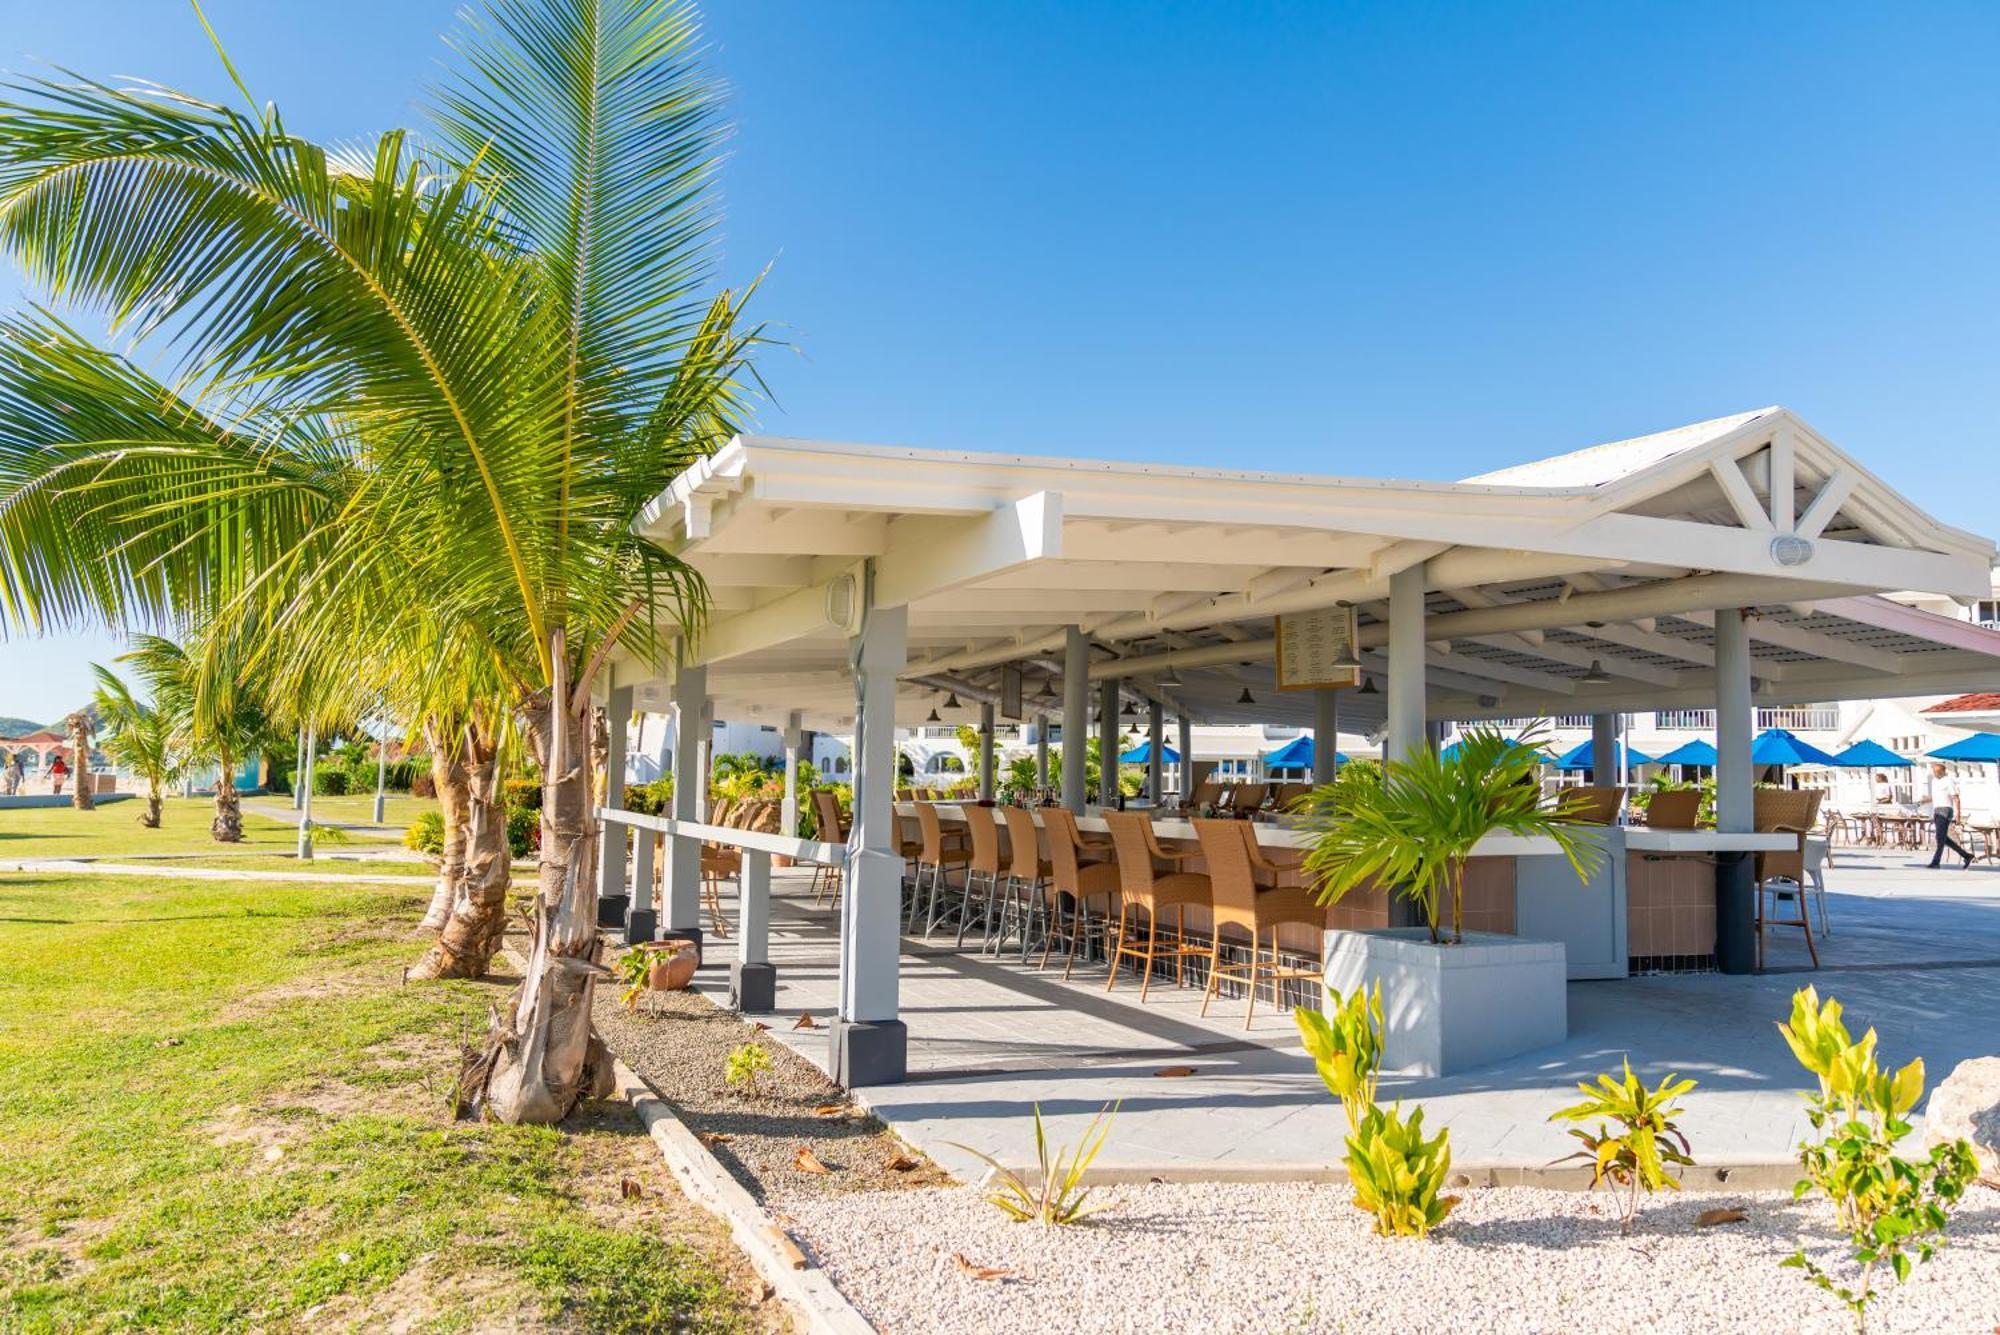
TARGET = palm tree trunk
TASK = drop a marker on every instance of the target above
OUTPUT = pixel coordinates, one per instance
(477, 923)
(452, 781)
(82, 797)
(151, 820)
(227, 827)
(542, 1055)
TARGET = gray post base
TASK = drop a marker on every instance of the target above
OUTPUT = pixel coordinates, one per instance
(639, 926)
(611, 910)
(689, 934)
(1735, 913)
(869, 1052)
(753, 988)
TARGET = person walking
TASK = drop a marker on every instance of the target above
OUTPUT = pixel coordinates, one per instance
(10, 779)
(1944, 810)
(58, 771)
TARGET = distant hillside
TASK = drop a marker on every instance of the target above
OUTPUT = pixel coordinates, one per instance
(17, 727)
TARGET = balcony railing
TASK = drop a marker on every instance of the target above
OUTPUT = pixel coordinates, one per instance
(1798, 718)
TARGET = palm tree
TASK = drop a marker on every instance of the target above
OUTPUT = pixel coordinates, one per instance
(139, 737)
(82, 792)
(1411, 824)
(216, 719)
(421, 395)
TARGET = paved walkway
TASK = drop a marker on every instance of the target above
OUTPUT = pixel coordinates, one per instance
(69, 866)
(1915, 953)
(291, 815)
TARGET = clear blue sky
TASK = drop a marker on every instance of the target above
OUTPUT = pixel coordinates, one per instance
(1403, 239)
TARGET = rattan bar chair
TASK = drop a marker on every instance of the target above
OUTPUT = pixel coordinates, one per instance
(1781, 873)
(1228, 846)
(1076, 885)
(940, 852)
(1142, 889)
(1028, 874)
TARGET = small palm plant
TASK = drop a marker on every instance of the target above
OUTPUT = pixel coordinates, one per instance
(1637, 1155)
(1059, 1197)
(139, 737)
(1412, 824)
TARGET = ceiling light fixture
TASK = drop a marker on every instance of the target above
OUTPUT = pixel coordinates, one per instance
(1368, 687)
(1597, 675)
(1130, 710)
(1246, 698)
(934, 717)
(951, 700)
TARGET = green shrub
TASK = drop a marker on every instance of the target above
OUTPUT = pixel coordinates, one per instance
(1058, 1195)
(1890, 1207)
(426, 834)
(1637, 1155)
(745, 1063)
(524, 832)
(651, 799)
(329, 782)
(521, 794)
(1346, 1046)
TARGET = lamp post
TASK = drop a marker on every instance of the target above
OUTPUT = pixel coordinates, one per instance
(305, 795)
(381, 776)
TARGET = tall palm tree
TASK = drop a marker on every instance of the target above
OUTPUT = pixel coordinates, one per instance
(140, 737)
(419, 396)
(217, 722)
(83, 793)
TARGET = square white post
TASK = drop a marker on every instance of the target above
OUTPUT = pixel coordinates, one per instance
(1187, 758)
(1156, 760)
(986, 750)
(753, 981)
(1603, 749)
(1076, 717)
(788, 806)
(1042, 752)
(222, 776)
(682, 909)
(1326, 734)
(1406, 663)
(642, 918)
(1735, 800)
(612, 899)
(1107, 743)
(869, 1044)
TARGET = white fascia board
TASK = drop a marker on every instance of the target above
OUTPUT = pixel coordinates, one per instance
(1885, 614)
(1803, 684)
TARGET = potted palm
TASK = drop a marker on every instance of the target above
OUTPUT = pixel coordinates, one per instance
(1411, 827)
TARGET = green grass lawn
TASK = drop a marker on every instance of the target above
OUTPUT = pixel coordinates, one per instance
(319, 866)
(398, 809)
(219, 1109)
(113, 830)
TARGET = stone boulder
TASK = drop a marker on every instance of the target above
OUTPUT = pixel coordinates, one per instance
(1966, 1105)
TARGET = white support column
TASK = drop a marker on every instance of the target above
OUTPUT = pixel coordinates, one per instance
(1042, 752)
(1603, 749)
(1326, 734)
(1107, 743)
(868, 1043)
(381, 778)
(1734, 722)
(1076, 717)
(788, 806)
(612, 899)
(753, 981)
(642, 915)
(707, 757)
(682, 906)
(1406, 663)
(1186, 730)
(986, 750)
(1156, 759)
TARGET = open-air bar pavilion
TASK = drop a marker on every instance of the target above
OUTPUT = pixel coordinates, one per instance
(1728, 564)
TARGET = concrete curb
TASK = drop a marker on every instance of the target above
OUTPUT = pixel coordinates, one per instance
(1719, 1175)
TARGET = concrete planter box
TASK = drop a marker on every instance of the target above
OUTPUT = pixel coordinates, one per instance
(1451, 1008)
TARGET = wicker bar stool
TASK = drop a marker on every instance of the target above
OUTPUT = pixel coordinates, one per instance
(831, 830)
(1028, 874)
(1227, 846)
(1078, 882)
(1141, 888)
(1674, 809)
(940, 852)
(981, 824)
(1781, 874)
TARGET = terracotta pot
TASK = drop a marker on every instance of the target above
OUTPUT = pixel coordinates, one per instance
(672, 964)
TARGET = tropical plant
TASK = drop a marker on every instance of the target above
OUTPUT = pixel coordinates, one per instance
(416, 396)
(632, 969)
(1891, 1208)
(425, 834)
(1345, 1044)
(1414, 829)
(745, 1063)
(1058, 1194)
(139, 737)
(1636, 1156)
(216, 723)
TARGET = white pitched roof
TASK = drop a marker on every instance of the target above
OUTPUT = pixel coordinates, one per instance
(1598, 465)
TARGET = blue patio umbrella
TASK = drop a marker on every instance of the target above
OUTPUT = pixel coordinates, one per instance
(1296, 754)
(1142, 754)
(1981, 746)
(1696, 752)
(1776, 746)
(1872, 755)
(1452, 751)
(1583, 757)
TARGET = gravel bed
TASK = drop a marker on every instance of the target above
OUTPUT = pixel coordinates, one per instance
(1297, 1257)
(677, 1043)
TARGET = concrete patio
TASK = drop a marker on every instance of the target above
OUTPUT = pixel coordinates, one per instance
(1915, 953)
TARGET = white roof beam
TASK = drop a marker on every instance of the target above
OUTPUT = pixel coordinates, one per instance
(1800, 640)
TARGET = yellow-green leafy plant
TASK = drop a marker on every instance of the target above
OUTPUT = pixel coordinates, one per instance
(1398, 1176)
(1058, 1196)
(632, 966)
(1345, 1043)
(1891, 1208)
(745, 1063)
(1636, 1155)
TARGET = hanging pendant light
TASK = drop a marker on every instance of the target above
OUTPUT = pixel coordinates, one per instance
(1048, 688)
(1597, 676)
(1368, 687)
(934, 717)
(1130, 710)
(1170, 677)
(1246, 698)
(951, 700)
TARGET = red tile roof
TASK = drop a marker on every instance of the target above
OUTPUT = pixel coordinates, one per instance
(1978, 701)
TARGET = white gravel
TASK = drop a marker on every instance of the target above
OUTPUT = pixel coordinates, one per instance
(1297, 1258)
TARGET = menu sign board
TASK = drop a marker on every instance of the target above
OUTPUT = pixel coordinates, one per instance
(1010, 694)
(1309, 646)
